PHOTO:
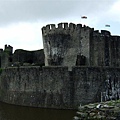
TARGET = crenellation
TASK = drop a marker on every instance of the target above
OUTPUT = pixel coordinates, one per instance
(105, 32)
(65, 25)
(8, 49)
(5, 47)
(92, 29)
(79, 26)
(72, 26)
(43, 30)
(1, 50)
(62, 28)
(60, 25)
(96, 33)
(52, 26)
(47, 28)
(85, 28)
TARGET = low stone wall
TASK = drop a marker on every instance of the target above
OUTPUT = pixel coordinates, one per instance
(56, 87)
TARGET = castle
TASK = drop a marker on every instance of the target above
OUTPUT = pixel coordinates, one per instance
(82, 65)
(74, 45)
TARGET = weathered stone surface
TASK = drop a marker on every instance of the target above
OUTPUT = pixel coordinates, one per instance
(79, 45)
(8, 58)
(56, 87)
(93, 60)
(106, 111)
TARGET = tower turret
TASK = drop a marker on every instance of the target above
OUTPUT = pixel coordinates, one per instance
(64, 43)
(6, 57)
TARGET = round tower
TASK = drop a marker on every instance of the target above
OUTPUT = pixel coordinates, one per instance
(62, 44)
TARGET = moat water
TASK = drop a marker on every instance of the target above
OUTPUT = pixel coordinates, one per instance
(13, 112)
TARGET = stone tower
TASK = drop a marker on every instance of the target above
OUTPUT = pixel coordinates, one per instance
(6, 56)
(77, 45)
(65, 44)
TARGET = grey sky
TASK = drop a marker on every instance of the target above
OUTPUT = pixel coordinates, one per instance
(21, 20)
(32, 10)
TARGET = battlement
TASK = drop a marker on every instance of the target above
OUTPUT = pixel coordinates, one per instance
(96, 32)
(101, 33)
(8, 48)
(50, 28)
(1, 50)
(105, 32)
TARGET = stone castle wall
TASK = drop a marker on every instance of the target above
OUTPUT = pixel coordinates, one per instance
(30, 57)
(92, 73)
(56, 87)
(20, 57)
(64, 45)
(104, 49)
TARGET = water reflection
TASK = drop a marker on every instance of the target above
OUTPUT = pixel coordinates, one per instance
(12, 112)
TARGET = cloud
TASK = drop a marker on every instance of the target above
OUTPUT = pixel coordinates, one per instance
(22, 36)
(24, 10)
(21, 20)
(48, 10)
(114, 12)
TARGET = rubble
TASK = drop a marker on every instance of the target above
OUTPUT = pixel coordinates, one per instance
(109, 110)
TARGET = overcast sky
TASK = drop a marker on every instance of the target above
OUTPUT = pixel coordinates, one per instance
(21, 20)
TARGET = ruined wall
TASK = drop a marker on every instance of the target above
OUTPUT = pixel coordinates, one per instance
(6, 56)
(56, 87)
(31, 57)
(21, 57)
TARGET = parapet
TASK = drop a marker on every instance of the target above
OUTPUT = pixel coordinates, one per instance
(102, 33)
(62, 27)
(115, 38)
(105, 32)
(1, 50)
(96, 32)
(8, 48)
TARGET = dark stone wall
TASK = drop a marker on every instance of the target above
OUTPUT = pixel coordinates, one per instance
(64, 43)
(96, 84)
(56, 87)
(21, 57)
(35, 86)
(115, 51)
(86, 84)
(104, 49)
(31, 57)
(1, 51)
(5, 59)
(6, 56)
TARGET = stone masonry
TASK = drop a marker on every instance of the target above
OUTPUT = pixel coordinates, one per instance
(82, 66)
(71, 45)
